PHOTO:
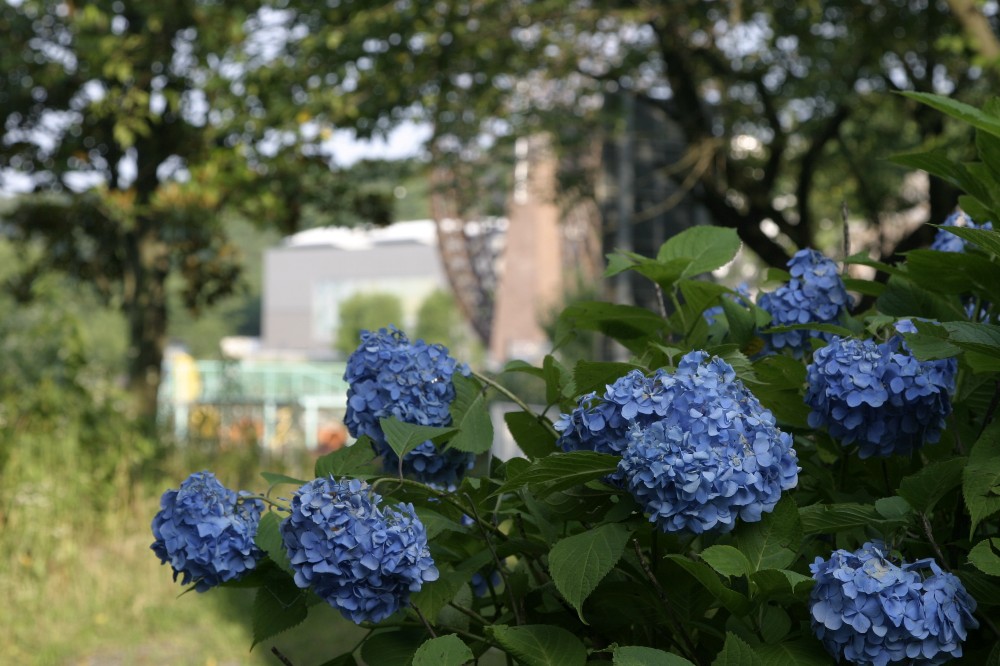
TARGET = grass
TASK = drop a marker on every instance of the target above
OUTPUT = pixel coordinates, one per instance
(80, 585)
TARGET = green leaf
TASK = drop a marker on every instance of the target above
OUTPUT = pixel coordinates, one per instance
(742, 323)
(731, 599)
(562, 470)
(278, 606)
(446, 650)
(985, 556)
(526, 368)
(735, 652)
(269, 540)
(392, 648)
(346, 659)
(557, 378)
(780, 582)
(531, 436)
(953, 272)
(404, 437)
(592, 376)
(865, 287)
(829, 518)
(578, 563)
(893, 508)
(824, 328)
(635, 655)
(772, 542)
(986, 239)
(938, 163)
(903, 298)
(471, 416)
(434, 523)
(774, 623)
(981, 477)
(539, 644)
(706, 248)
(983, 588)
(959, 110)
(801, 652)
(435, 595)
(923, 489)
(275, 479)
(627, 324)
(727, 561)
(346, 461)
(862, 259)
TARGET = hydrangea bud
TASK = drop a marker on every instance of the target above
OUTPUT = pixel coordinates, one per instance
(206, 532)
(362, 558)
(869, 611)
(879, 395)
(814, 295)
(390, 376)
(713, 455)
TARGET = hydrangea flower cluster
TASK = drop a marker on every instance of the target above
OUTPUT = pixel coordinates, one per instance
(603, 424)
(391, 376)
(949, 242)
(879, 395)
(206, 533)
(869, 611)
(363, 559)
(814, 295)
(713, 455)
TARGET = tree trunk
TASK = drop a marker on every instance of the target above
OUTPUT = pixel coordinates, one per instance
(145, 307)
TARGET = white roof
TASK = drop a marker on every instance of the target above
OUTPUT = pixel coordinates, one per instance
(421, 232)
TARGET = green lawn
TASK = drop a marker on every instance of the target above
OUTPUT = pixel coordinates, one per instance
(80, 585)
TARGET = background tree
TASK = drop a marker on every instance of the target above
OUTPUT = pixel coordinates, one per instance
(770, 97)
(133, 128)
(365, 311)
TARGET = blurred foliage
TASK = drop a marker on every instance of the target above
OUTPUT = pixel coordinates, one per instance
(365, 311)
(772, 104)
(132, 129)
(438, 319)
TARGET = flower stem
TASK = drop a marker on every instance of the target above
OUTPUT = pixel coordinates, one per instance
(513, 398)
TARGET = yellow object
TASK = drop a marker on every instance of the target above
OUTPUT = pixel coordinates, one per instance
(187, 381)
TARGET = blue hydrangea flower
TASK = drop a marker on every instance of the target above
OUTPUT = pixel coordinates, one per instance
(205, 533)
(879, 395)
(871, 612)
(390, 376)
(712, 455)
(945, 241)
(362, 558)
(814, 295)
(603, 424)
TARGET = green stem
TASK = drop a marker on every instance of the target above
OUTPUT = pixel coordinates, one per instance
(445, 497)
(517, 401)
(680, 312)
(500, 567)
(263, 498)
(687, 644)
(469, 612)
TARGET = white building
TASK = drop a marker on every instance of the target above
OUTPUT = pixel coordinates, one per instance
(311, 273)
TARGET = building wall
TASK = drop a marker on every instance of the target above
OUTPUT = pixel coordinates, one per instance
(303, 286)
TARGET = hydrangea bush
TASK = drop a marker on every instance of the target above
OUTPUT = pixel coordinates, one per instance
(809, 479)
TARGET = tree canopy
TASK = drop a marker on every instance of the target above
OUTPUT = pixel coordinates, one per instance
(784, 108)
